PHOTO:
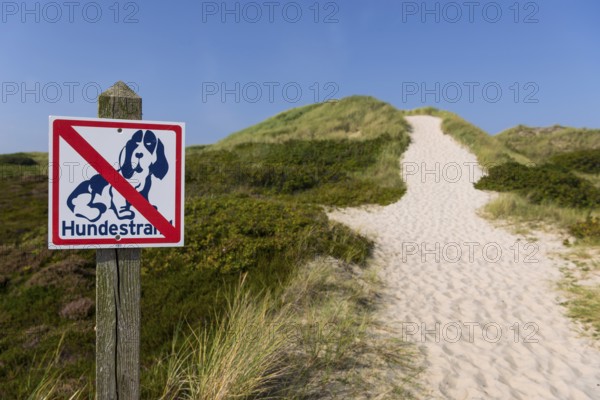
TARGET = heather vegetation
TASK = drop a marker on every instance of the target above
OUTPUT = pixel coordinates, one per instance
(585, 161)
(545, 183)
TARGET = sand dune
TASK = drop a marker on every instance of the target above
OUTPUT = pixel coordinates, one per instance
(501, 333)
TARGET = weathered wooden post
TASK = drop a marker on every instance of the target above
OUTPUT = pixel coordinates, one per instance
(118, 287)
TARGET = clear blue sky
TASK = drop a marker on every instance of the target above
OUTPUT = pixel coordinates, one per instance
(179, 55)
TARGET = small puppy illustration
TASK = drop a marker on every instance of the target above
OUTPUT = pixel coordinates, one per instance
(142, 157)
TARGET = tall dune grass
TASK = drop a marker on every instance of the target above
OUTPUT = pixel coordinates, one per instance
(308, 340)
(242, 356)
(514, 207)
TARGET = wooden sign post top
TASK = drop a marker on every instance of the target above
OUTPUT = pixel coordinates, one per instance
(120, 102)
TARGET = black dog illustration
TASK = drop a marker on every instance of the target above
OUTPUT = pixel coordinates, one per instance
(142, 157)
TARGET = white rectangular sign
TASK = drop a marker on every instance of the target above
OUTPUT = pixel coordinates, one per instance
(115, 183)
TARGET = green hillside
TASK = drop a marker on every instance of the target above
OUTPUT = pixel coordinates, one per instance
(539, 144)
(354, 118)
(253, 211)
(346, 159)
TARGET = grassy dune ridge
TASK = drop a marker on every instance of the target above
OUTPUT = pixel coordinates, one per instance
(354, 118)
(487, 149)
(540, 144)
(254, 214)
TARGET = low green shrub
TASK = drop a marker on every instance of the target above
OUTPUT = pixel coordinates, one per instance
(547, 182)
(17, 159)
(587, 161)
(239, 233)
(590, 228)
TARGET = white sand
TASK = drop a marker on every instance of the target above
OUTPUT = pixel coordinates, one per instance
(464, 292)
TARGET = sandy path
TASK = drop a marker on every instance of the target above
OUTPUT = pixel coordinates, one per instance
(501, 332)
